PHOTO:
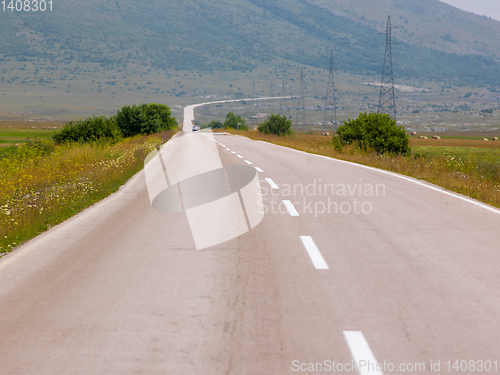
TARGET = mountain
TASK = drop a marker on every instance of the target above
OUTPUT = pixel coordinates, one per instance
(428, 23)
(436, 42)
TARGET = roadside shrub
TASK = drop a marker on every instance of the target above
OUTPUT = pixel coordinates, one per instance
(376, 131)
(89, 130)
(216, 125)
(144, 119)
(337, 143)
(233, 120)
(277, 125)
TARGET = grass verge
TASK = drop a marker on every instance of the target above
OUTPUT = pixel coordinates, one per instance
(42, 185)
(468, 171)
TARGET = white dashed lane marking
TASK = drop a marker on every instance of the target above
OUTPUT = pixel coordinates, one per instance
(271, 182)
(361, 353)
(248, 162)
(290, 208)
(314, 253)
(258, 169)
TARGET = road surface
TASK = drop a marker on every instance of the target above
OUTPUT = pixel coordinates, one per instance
(349, 265)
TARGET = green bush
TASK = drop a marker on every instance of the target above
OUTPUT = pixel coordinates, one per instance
(233, 120)
(144, 119)
(216, 125)
(277, 125)
(375, 131)
(89, 130)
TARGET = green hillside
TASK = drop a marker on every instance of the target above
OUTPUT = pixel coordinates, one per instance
(436, 42)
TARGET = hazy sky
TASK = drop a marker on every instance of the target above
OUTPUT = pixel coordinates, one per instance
(490, 8)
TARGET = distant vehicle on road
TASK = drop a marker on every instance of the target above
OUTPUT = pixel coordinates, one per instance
(196, 128)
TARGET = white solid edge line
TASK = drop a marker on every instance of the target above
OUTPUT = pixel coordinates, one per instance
(415, 181)
(271, 182)
(248, 162)
(361, 353)
(290, 208)
(314, 253)
(241, 157)
(258, 169)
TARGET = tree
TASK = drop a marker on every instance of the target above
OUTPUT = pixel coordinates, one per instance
(233, 120)
(129, 120)
(376, 131)
(276, 124)
(144, 119)
(161, 114)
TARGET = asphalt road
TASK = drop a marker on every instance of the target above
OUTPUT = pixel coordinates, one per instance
(372, 267)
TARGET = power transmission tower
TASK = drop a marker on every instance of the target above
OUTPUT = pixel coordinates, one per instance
(271, 95)
(300, 116)
(330, 103)
(253, 89)
(387, 98)
(284, 107)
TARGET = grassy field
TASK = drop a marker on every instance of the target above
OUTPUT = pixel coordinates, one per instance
(471, 171)
(42, 184)
(472, 154)
(452, 138)
(10, 136)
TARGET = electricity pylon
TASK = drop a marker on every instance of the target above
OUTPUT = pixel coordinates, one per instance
(300, 116)
(330, 115)
(284, 107)
(271, 95)
(387, 98)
